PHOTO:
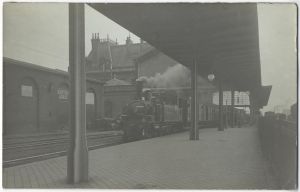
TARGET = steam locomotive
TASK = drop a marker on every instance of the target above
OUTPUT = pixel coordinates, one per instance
(155, 114)
(162, 111)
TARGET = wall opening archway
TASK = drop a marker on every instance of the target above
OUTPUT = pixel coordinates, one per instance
(63, 106)
(24, 109)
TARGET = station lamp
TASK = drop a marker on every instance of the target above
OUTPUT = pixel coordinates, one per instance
(211, 77)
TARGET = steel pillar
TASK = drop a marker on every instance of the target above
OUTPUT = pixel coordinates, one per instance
(232, 109)
(251, 107)
(78, 153)
(194, 132)
(221, 121)
(225, 124)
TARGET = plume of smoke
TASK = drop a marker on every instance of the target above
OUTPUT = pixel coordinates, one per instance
(175, 76)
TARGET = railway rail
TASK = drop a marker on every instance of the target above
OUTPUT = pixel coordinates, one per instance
(21, 150)
(24, 149)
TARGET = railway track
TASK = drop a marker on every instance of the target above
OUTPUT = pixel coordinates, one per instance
(21, 150)
(26, 149)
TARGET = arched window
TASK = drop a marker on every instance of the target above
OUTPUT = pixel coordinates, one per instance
(62, 109)
(108, 108)
(28, 87)
(91, 109)
(90, 97)
(27, 109)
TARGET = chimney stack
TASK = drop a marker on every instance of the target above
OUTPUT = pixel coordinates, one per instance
(95, 40)
(128, 40)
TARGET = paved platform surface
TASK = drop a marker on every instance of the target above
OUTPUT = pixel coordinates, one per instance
(231, 159)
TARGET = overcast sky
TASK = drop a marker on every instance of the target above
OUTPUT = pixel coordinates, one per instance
(38, 33)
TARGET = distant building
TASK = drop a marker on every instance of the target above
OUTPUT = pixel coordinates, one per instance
(108, 59)
(36, 99)
(281, 109)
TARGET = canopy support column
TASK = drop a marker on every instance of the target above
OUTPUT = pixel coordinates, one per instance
(225, 124)
(232, 108)
(194, 132)
(252, 110)
(78, 153)
(221, 121)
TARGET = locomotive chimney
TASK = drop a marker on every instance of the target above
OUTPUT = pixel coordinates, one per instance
(139, 89)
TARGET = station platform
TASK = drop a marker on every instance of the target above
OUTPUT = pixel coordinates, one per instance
(231, 159)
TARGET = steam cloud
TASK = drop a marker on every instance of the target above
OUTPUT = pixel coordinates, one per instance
(175, 76)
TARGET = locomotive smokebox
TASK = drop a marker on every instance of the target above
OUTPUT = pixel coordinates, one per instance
(139, 89)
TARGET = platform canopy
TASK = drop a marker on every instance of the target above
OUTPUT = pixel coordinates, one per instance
(221, 37)
(262, 95)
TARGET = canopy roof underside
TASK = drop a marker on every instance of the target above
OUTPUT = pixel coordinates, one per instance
(222, 38)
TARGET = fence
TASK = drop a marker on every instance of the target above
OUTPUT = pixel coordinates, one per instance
(279, 145)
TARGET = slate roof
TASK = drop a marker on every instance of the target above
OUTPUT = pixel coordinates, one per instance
(12, 62)
(124, 55)
(120, 55)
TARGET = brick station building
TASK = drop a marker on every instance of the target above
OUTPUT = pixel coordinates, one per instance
(36, 98)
